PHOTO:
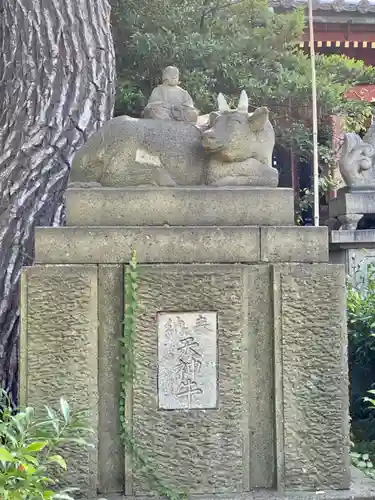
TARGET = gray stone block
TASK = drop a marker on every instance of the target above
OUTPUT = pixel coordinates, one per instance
(180, 206)
(294, 244)
(312, 421)
(109, 245)
(360, 239)
(355, 202)
(228, 449)
(58, 353)
(110, 313)
(361, 488)
(261, 376)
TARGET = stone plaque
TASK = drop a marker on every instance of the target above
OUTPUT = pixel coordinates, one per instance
(187, 360)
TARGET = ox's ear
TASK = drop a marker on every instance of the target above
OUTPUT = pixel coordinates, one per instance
(258, 119)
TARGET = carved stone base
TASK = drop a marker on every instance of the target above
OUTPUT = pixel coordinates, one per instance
(189, 206)
(352, 202)
(72, 314)
(349, 221)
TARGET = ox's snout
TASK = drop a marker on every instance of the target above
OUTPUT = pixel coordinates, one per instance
(210, 141)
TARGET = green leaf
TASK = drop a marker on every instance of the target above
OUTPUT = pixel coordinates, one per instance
(15, 495)
(58, 459)
(29, 469)
(30, 459)
(37, 446)
(53, 418)
(6, 456)
(65, 410)
(48, 494)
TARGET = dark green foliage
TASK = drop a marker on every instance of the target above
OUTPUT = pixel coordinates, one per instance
(223, 46)
(361, 330)
(30, 450)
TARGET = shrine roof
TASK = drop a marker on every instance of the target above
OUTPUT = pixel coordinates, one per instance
(359, 6)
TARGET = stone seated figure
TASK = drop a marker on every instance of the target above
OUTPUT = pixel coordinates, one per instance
(168, 101)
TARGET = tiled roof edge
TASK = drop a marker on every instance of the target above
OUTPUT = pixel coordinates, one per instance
(363, 6)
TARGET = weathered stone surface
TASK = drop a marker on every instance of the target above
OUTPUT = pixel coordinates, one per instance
(134, 151)
(294, 244)
(58, 355)
(168, 101)
(250, 172)
(181, 206)
(353, 239)
(153, 244)
(187, 360)
(312, 401)
(352, 202)
(110, 314)
(349, 221)
(202, 451)
(111, 245)
(261, 376)
(362, 488)
(355, 249)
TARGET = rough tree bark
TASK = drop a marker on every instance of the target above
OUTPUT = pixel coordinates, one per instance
(56, 88)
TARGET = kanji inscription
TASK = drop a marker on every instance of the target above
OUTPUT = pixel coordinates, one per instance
(187, 360)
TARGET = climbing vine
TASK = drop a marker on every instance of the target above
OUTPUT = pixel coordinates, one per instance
(128, 367)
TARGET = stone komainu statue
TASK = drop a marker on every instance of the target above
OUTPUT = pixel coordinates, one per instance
(357, 159)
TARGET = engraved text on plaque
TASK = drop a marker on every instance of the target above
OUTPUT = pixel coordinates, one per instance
(187, 360)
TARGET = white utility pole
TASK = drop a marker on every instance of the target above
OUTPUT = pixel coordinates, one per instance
(315, 118)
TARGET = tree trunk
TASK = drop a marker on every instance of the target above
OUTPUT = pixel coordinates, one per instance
(56, 88)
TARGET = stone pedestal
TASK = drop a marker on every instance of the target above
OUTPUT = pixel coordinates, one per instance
(356, 250)
(350, 205)
(263, 400)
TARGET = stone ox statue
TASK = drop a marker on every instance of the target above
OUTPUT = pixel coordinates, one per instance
(240, 146)
(233, 147)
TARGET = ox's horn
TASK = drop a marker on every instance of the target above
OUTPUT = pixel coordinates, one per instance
(243, 103)
(222, 103)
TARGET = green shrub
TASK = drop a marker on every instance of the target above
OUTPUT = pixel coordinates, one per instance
(361, 330)
(30, 450)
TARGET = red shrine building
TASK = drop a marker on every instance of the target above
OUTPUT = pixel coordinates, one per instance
(340, 27)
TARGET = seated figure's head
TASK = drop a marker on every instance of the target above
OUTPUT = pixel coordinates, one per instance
(171, 76)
